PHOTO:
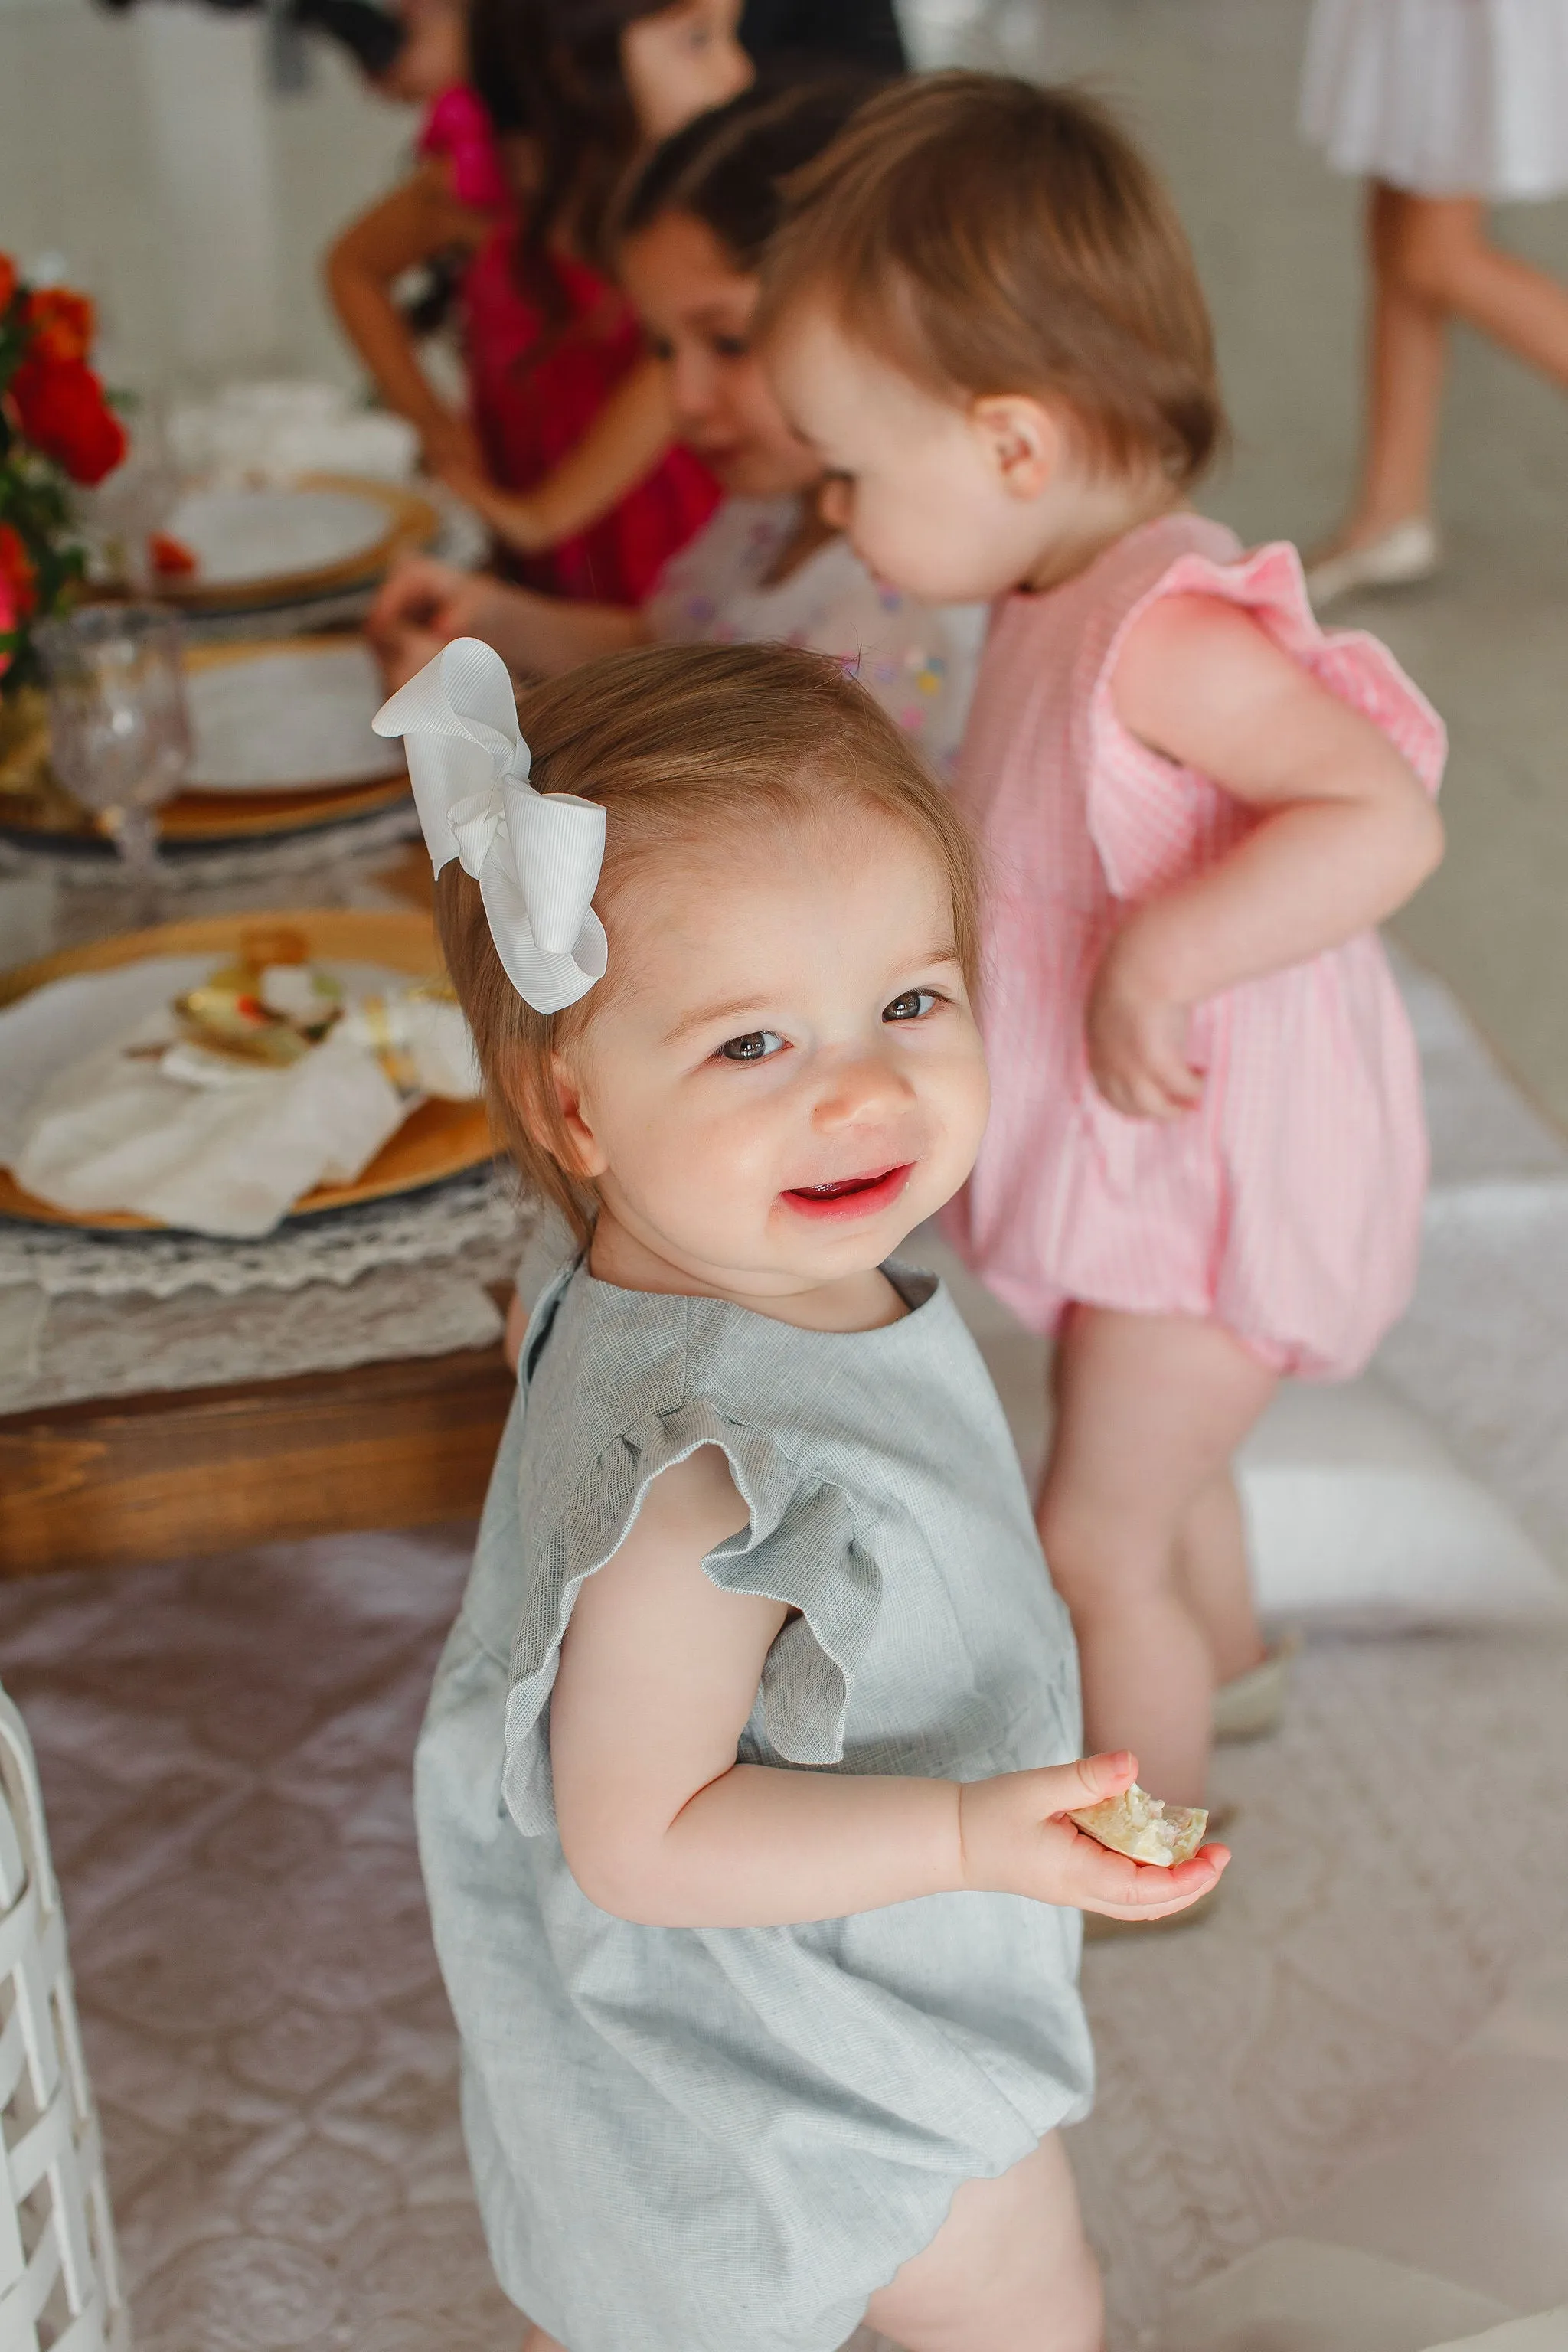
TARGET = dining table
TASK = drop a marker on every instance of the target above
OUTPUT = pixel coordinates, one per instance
(165, 1396)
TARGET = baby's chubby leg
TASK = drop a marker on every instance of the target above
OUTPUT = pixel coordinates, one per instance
(1211, 1564)
(1149, 1409)
(1009, 2271)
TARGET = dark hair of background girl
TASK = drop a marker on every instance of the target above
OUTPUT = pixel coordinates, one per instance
(549, 71)
(727, 169)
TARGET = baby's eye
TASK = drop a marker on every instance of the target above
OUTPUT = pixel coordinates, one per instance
(731, 347)
(756, 1046)
(913, 1005)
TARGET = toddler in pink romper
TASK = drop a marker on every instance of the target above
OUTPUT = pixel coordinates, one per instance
(1205, 1158)
(1287, 1205)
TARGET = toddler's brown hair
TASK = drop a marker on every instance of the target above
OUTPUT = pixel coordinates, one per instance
(989, 235)
(682, 745)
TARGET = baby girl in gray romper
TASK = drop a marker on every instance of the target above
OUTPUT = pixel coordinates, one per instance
(729, 2138)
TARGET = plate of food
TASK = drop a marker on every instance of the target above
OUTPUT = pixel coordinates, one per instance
(227, 550)
(285, 717)
(215, 1012)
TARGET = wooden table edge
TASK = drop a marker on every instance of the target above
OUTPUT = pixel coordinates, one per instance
(174, 1473)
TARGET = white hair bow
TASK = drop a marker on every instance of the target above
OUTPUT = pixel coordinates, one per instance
(536, 856)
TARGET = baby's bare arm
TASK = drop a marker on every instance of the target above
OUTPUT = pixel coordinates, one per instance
(659, 1673)
(1346, 833)
(1348, 829)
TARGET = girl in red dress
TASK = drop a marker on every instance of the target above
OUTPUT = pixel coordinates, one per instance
(567, 432)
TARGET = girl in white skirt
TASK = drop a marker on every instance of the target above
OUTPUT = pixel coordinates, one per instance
(1446, 107)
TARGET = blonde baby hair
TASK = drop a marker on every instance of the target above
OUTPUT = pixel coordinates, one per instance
(988, 235)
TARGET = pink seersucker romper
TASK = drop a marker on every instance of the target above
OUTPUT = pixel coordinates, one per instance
(1287, 1207)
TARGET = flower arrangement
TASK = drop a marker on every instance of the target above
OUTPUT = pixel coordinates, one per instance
(57, 428)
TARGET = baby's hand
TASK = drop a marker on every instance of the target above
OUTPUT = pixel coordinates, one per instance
(1017, 1839)
(1136, 1045)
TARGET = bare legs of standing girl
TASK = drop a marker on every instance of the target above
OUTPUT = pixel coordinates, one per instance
(1142, 1529)
(1431, 261)
(1009, 2271)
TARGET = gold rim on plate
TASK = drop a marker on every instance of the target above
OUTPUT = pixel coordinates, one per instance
(412, 523)
(438, 1140)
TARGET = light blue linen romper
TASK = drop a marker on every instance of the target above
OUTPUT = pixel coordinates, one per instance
(698, 2139)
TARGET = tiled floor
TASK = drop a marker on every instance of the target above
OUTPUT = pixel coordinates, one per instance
(1211, 84)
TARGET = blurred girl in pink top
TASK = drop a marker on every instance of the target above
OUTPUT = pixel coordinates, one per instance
(1207, 1157)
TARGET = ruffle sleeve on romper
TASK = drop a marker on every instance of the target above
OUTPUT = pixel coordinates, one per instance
(799, 1547)
(1135, 816)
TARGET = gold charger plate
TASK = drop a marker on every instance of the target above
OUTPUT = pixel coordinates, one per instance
(412, 522)
(438, 1140)
(49, 815)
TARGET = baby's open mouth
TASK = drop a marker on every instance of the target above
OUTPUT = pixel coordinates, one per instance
(851, 1196)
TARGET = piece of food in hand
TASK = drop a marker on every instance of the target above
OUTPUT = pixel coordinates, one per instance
(1144, 1828)
(169, 557)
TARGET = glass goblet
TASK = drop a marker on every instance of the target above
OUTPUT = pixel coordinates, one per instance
(119, 734)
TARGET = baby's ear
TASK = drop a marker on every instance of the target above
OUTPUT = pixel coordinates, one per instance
(572, 1122)
(1021, 439)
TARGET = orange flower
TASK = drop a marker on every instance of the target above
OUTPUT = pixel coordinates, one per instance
(8, 282)
(18, 581)
(62, 324)
(62, 412)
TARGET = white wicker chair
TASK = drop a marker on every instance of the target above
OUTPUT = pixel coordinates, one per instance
(59, 2286)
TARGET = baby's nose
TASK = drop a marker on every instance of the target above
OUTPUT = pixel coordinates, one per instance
(865, 1088)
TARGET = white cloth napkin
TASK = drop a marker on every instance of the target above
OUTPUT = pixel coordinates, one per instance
(210, 1144)
(110, 1133)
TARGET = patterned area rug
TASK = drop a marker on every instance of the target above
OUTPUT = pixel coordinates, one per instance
(225, 1749)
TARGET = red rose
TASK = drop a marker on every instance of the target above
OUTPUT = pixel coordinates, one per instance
(18, 581)
(62, 324)
(7, 282)
(62, 412)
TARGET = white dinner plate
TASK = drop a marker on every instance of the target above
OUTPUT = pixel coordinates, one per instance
(271, 718)
(245, 538)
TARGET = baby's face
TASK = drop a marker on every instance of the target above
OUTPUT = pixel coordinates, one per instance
(912, 479)
(785, 1077)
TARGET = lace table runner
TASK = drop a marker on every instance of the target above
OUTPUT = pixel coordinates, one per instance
(339, 863)
(110, 1315)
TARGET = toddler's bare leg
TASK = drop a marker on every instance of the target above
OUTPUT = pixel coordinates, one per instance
(1211, 1559)
(1408, 345)
(1437, 251)
(1150, 1410)
(1009, 2271)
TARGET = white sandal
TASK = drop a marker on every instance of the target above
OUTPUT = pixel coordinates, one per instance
(1409, 553)
(1251, 1706)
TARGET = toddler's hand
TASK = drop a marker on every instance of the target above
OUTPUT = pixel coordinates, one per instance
(1017, 1839)
(422, 606)
(1136, 1045)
